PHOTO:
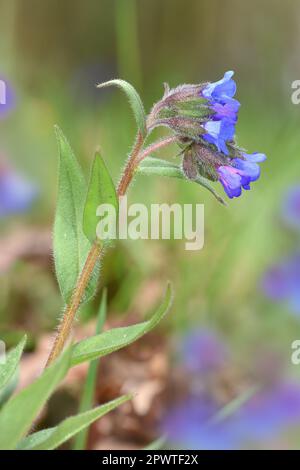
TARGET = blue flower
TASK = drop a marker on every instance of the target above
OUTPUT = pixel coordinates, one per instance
(197, 420)
(221, 127)
(193, 423)
(281, 283)
(221, 91)
(218, 133)
(291, 208)
(202, 351)
(240, 173)
(228, 110)
(16, 194)
(269, 412)
(187, 425)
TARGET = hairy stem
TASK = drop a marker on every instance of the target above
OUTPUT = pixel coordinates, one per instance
(130, 167)
(155, 147)
(65, 326)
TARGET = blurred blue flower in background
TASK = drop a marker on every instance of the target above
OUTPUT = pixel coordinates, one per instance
(194, 423)
(282, 282)
(16, 194)
(291, 207)
(203, 351)
(189, 425)
(270, 411)
(198, 421)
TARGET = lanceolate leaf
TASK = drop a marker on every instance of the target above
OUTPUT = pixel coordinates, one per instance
(134, 100)
(117, 338)
(50, 439)
(18, 414)
(70, 244)
(101, 190)
(159, 167)
(8, 369)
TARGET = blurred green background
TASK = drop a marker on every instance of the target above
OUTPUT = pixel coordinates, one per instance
(54, 52)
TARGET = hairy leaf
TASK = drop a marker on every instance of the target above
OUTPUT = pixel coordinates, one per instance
(50, 439)
(18, 414)
(117, 338)
(101, 190)
(8, 369)
(159, 167)
(134, 100)
(70, 245)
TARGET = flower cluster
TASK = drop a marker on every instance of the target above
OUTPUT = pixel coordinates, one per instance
(204, 118)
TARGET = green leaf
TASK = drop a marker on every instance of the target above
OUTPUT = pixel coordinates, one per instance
(9, 388)
(8, 369)
(117, 338)
(101, 190)
(158, 444)
(18, 414)
(70, 245)
(134, 100)
(86, 402)
(159, 167)
(50, 439)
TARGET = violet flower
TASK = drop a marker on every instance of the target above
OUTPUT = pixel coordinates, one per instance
(291, 208)
(281, 282)
(16, 194)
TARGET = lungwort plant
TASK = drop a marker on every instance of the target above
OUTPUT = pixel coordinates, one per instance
(202, 120)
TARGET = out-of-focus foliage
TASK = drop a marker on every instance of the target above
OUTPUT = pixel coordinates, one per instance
(53, 54)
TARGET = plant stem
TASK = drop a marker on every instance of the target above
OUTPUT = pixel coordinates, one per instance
(130, 167)
(65, 326)
(156, 146)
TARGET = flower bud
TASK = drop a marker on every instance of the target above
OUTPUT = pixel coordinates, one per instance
(204, 113)
(235, 172)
